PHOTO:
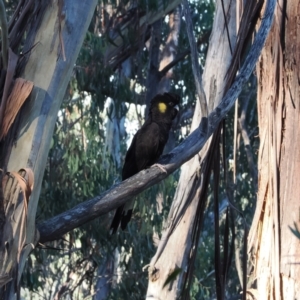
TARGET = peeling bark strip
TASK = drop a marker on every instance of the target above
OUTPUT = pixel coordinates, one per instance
(17, 188)
(12, 63)
(21, 90)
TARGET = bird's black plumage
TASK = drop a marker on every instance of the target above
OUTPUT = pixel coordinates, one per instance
(147, 146)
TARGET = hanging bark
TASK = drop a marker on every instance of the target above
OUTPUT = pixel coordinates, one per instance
(274, 247)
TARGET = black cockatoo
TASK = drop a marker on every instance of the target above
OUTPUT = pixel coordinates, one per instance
(146, 147)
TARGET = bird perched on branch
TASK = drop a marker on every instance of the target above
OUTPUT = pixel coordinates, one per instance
(146, 147)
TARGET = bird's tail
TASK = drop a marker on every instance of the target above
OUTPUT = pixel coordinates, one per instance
(122, 216)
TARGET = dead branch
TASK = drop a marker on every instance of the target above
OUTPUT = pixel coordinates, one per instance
(4, 35)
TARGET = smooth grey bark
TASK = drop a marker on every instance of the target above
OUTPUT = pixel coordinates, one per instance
(105, 278)
(49, 67)
(177, 243)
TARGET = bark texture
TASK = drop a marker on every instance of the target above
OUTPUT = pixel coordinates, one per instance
(176, 243)
(275, 249)
(58, 40)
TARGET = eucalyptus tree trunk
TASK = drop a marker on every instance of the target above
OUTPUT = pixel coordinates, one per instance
(273, 240)
(176, 243)
(57, 39)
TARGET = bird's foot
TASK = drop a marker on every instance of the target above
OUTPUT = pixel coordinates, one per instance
(161, 167)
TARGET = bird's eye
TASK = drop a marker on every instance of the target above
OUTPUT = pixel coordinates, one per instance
(171, 103)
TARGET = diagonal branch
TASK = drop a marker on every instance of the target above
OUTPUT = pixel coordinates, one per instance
(55, 227)
(4, 33)
(183, 54)
(117, 43)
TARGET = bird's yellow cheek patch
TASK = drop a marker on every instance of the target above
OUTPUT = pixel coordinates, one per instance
(162, 107)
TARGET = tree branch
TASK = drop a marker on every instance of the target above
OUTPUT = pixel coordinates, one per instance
(4, 33)
(183, 54)
(55, 227)
(117, 44)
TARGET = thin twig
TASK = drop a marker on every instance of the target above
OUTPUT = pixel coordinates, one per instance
(3, 24)
(182, 55)
(246, 138)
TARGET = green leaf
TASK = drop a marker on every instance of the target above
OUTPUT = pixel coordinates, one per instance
(295, 231)
(172, 276)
